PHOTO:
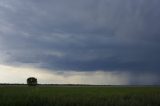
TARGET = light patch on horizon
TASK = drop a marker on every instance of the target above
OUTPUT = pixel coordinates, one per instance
(11, 74)
(20, 74)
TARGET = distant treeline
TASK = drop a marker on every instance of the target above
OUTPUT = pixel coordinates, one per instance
(43, 85)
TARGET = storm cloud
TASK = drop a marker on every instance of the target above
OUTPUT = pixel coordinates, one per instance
(81, 35)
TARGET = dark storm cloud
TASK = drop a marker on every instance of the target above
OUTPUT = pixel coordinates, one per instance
(82, 35)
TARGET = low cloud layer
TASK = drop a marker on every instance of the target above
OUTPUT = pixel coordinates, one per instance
(85, 35)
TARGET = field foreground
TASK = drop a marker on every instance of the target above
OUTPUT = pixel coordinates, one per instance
(79, 96)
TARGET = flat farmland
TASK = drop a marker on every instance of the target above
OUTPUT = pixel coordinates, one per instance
(79, 96)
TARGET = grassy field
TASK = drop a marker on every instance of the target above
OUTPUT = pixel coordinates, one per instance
(79, 96)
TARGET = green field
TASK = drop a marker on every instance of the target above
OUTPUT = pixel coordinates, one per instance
(79, 96)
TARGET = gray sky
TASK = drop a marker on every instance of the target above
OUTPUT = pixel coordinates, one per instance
(83, 36)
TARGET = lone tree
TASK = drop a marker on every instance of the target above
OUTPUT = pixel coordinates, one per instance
(32, 81)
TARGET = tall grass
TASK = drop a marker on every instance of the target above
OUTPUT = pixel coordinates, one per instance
(79, 96)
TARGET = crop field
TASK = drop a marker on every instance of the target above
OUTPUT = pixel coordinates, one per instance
(79, 96)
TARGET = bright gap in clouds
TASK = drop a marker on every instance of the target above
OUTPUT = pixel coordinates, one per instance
(20, 74)
(10, 74)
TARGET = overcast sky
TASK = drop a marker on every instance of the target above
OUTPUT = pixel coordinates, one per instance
(110, 41)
